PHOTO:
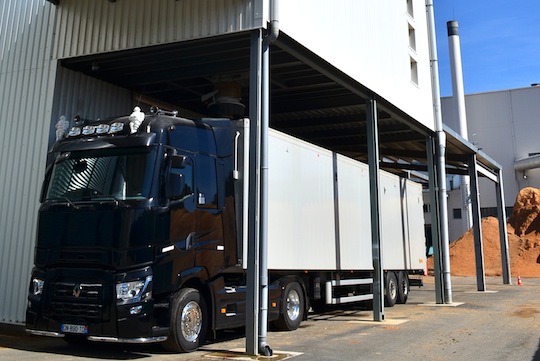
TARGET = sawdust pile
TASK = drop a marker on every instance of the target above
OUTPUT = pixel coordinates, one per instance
(523, 242)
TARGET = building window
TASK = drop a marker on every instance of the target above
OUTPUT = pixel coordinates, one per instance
(412, 38)
(457, 213)
(414, 71)
(494, 212)
(410, 8)
(427, 208)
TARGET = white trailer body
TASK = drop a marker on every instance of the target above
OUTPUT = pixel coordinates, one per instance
(319, 212)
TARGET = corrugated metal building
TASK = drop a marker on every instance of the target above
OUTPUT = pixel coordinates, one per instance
(47, 70)
(27, 76)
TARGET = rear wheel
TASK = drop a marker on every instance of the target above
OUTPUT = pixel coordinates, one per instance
(403, 287)
(292, 309)
(391, 289)
(188, 321)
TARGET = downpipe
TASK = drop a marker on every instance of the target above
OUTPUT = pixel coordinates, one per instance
(273, 33)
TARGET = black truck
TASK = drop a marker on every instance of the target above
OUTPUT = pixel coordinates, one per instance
(140, 238)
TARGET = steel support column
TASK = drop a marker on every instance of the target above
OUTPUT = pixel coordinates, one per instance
(503, 232)
(477, 225)
(373, 162)
(435, 220)
(255, 106)
(264, 348)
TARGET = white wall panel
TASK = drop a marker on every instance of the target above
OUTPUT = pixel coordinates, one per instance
(354, 214)
(92, 26)
(26, 88)
(301, 227)
(369, 41)
(416, 236)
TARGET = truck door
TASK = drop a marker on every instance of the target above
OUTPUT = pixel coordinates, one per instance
(183, 228)
(209, 245)
(176, 255)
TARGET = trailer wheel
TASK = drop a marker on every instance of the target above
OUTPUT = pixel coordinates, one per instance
(292, 308)
(403, 287)
(391, 290)
(188, 321)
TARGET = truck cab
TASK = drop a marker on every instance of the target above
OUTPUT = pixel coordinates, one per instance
(137, 232)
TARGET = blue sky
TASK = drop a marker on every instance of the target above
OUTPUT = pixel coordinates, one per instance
(500, 43)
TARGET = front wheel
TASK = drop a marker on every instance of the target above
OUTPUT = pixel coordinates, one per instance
(188, 321)
(292, 309)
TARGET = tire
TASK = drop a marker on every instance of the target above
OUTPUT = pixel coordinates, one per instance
(292, 308)
(189, 321)
(390, 290)
(403, 287)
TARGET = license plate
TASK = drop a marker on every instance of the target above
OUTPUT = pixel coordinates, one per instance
(67, 328)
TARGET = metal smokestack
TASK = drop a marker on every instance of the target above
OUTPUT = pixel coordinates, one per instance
(458, 96)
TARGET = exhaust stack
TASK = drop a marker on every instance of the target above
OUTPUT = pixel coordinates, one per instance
(226, 100)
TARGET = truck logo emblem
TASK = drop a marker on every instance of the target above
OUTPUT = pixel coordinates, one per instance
(77, 290)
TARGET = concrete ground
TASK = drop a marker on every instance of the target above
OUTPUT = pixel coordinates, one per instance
(502, 323)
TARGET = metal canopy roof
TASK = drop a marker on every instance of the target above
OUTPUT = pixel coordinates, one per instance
(310, 99)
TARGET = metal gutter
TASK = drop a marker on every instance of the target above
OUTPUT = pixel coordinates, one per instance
(273, 32)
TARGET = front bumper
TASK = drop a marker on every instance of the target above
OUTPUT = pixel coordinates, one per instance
(86, 301)
(137, 340)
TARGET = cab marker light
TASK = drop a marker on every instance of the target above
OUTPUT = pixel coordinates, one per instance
(167, 249)
(102, 129)
(74, 131)
(116, 127)
(88, 130)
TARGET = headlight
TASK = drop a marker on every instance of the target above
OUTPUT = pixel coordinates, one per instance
(135, 291)
(37, 286)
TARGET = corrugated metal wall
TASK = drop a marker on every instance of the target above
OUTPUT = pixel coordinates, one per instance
(26, 87)
(125, 24)
(35, 92)
(78, 94)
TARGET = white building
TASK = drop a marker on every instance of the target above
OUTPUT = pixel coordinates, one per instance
(504, 124)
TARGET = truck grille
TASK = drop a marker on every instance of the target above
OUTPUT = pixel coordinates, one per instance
(62, 311)
(77, 301)
(79, 291)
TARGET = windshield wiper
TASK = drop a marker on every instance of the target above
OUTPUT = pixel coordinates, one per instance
(112, 198)
(66, 199)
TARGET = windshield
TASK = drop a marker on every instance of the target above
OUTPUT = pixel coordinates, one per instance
(120, 174)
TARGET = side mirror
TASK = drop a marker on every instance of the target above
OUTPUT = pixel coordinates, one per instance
(175, 186)
(178, 161)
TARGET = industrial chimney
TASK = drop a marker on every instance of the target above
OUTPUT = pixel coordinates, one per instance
(458, 97)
